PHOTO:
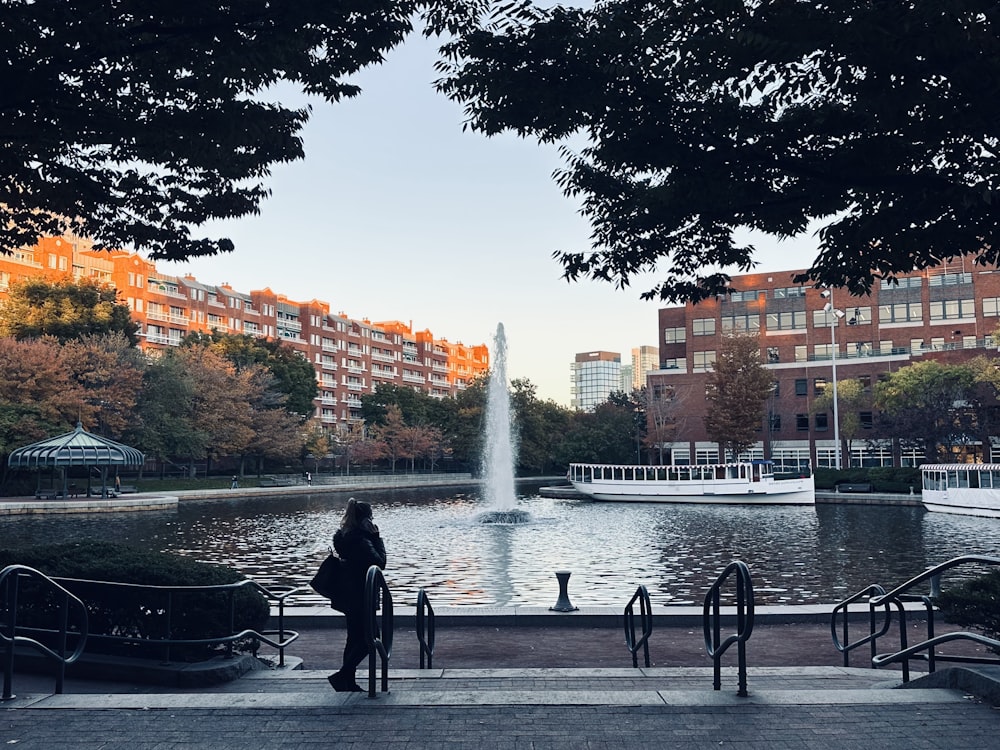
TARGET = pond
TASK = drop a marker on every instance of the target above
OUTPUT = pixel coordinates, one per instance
(797, 555)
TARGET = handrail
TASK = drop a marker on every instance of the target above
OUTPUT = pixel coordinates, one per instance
(845, 647)
(936, 571)
(425, 629)
(284, 636)
(646, 620)
(379, 638)
(10, 584)
(906, 653)
(712, 622)
(899, 594)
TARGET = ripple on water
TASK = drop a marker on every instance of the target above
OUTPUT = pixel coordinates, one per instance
(434, 541)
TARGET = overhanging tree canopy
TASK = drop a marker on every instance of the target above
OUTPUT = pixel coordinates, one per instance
(703, 118)
(131, 122)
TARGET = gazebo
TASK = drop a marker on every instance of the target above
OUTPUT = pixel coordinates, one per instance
(76, 448)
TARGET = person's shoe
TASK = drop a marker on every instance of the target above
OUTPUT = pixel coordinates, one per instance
(344, 684)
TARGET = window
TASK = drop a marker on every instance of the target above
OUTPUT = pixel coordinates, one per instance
(740, 323)
(776, 389)
(858, 316)
(774, 422)
(824, 319)
(786, 321)
(902, 312)
(801, 386)
(749, 295)
(801, 354)
(789, 292)
(822, 422)
(671, 363)
(866, 381)
(820, 385)
(823, 351)
(937, 343)
(867, 419)
(674, 336)
(910, 282)
(991, 306)
(949, 279)
(885, 346)
(952, 309)
(802, 422)
(703, 327)
(773, 356)
(703, 360)
(916, 346)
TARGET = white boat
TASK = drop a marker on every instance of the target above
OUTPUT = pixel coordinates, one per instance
(966, 489)
(743, 483)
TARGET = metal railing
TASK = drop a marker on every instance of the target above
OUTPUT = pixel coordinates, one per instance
(162, 613)
(641, 595)
(10, 578)
(378, 635)
(425, 629)
(926, 650)
(843, 642)
(712, 623)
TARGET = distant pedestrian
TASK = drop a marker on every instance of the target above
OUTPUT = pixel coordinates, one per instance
(235, 484)
(309, 479)
(118, 485)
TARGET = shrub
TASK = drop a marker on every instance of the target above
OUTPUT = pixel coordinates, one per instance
(974, 604)
(138, 613)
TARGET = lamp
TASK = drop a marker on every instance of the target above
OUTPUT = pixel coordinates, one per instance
(835, 315)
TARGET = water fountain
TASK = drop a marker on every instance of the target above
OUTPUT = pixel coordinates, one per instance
(499, 445)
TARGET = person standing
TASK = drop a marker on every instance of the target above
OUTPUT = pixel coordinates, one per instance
(359, 546)
(235, 483)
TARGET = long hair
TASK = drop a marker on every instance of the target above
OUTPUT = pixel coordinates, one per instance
(355, 514)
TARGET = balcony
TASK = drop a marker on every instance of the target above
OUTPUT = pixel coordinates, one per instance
(289, 325)
(383, 357)
(180, 320)
(408, 378)
(331, 366)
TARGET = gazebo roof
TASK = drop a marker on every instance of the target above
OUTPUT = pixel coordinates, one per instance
(76, 448)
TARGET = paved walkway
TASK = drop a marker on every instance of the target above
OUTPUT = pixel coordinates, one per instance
(483, 709)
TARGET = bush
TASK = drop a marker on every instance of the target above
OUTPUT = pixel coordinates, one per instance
(974, 604)
(138, 613)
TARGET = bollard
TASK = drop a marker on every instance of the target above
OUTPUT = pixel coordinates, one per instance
(563, 604)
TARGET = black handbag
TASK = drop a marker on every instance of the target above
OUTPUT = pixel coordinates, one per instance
(329, 582)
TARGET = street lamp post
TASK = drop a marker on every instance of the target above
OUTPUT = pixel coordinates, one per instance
(835, 315)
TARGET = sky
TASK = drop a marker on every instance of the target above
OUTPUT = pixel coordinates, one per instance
(397, 214)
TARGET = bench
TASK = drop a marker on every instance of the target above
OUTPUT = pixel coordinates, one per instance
(127, 489)
(854, 487)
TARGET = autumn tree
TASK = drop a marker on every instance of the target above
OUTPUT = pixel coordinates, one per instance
(39, 397)
(159, 118)
(109, 371)
(702, 119)
(736, 391)
(292, 373)
(930, 403)
(64, 309)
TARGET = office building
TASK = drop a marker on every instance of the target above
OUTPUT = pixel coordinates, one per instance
(948, 312)
(644, 359)
(595, 375)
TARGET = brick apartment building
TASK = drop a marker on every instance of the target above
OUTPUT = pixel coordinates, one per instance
(350, 356)
(948, 312)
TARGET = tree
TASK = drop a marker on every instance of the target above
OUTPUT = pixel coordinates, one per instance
(64, 309)
(930, 402)
(666, 410)
(292, 374)
(852, 399)
(705, 119)
(736, 391)
(159, 118)
(109, 370)
(38, 396)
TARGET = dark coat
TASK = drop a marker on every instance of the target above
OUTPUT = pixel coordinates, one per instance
(358, 548)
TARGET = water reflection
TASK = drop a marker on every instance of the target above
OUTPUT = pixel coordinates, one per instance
(796, 555)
